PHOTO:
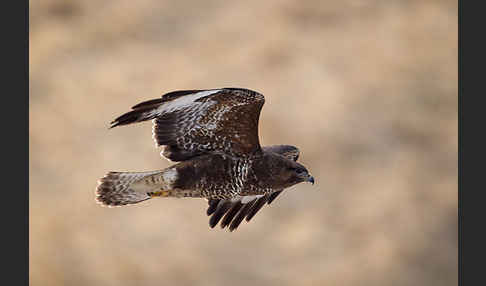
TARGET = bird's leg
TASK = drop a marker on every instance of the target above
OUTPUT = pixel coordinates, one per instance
(161, 193)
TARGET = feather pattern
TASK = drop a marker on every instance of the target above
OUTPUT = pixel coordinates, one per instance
(246, 207)
(213, 134)
(194, 122)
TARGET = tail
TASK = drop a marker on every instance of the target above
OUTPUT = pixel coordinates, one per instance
(122, 188)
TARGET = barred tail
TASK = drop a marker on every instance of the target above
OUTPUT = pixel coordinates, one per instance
(118, 188)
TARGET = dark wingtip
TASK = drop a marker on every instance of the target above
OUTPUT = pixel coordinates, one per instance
(273, 196)
(113, 124)
(220, 211)
(213, 204)
(256, 207)
(241, 215)
(231, 214)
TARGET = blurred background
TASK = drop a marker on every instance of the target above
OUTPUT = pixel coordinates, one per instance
(366, 89)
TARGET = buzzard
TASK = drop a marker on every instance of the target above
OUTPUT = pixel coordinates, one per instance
(213, 135)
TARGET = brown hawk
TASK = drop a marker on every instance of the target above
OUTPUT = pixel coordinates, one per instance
(213, 135)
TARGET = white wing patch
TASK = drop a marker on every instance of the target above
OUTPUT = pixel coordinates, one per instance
(180, 103)
(183, 101)
(246, 199)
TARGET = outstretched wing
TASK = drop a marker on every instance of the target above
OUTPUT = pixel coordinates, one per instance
(192, 122)
(232, 212)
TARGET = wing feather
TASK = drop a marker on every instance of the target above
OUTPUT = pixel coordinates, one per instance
(233, 211)
(231, 214)
(256, 207)
(213, 204)
(241, 215)
(193, 122)
(273, 196)
(221, 209)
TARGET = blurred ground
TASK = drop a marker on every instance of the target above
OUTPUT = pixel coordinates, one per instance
(366, 89)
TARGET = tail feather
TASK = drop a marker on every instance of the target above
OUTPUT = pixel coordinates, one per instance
(117, 188)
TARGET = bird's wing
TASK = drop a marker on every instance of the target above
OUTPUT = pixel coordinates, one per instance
(193, 122)
(233, 211)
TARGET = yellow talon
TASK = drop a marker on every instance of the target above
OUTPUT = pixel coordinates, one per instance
(159, 194)
(164, 193)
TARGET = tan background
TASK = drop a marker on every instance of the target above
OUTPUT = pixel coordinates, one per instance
(366, 89)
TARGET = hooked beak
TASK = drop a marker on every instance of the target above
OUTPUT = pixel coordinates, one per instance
(310, 180)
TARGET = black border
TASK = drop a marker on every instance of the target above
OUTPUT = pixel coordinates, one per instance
(459, 153)
(15, 134)
(471, 143)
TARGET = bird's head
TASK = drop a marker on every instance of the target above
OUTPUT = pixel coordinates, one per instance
(293, 173)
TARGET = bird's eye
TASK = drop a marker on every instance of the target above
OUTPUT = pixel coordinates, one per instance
(300, 171)
(296, 170)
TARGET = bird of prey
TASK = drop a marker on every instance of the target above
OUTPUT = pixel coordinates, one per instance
(213, 137)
